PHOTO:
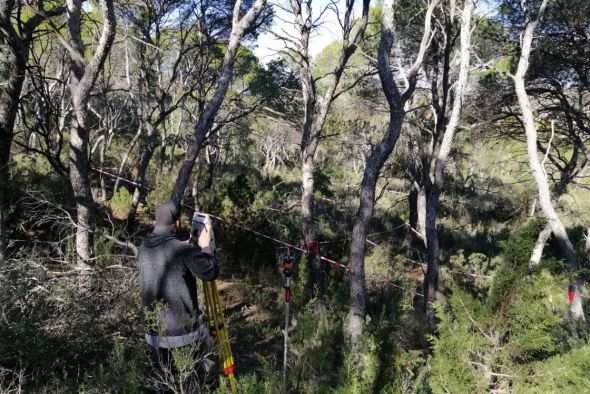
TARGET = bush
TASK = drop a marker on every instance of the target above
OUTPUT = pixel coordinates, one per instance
(483, 344)
(564, 373)
(122, 372)
(121, 203)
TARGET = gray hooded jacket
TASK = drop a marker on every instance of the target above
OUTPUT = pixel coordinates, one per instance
(168, 269)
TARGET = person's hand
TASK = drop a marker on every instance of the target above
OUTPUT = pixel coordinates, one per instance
(204, 239)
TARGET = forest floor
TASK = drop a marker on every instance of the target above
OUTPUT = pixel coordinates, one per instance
(78, 336)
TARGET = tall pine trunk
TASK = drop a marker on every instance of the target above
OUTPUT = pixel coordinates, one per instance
(83, 75)
(557, 227)
(147, 152)
(417, 214)
(18, 44)
(239, 27)
(315, 113)
(80, 181)
(435, 180)
(376, 159)
(9, 96)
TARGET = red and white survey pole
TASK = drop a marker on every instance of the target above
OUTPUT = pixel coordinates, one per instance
(571, 293)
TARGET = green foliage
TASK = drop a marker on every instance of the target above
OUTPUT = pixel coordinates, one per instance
(359, 371)
(315, 349)
(564, 373)
(239, 196)
(68, 333)
(378, 265)
(268, 383)
(123, 371)
(515, 259)
(473, 271)
(104, 251)
(274, 83)
(121, 203)
(160, 193)
(532, 317)
(458, 344)
(483, 344)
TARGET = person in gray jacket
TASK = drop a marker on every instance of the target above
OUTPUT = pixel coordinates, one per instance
(168, 269)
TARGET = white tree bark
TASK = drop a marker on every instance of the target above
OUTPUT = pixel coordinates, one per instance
(375, 161)
(206, 118)
(542, 239)
(432, 284)
(315, 113)
(536, 168)
(83, 75)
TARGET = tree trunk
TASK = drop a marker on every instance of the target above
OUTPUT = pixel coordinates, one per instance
(357, 311)
(542, 239)
(545, 233)
(174, 142)
(433, 287)
(432, 283)
(375, 161)
(212, 153)
(125, 158)
(9, 96)
(80, 181)
(195, 190)
(559, 190)
(311, 131)
(314, 262)
(162, 154)
(103, 184)
(145, 157)
(82, 78)
(239, 27)
(587, 245)
(536, 168)
(9, 99)
(417, 215)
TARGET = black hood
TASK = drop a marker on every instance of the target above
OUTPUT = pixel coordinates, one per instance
(153, 240)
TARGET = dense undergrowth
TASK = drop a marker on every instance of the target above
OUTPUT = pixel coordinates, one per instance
(504, 328)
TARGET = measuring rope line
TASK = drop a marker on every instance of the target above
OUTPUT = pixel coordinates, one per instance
(230, 222)
(302, 250)
(101, 170)
(236, 224)
(294, 247)
(233, 223)
(286, 244)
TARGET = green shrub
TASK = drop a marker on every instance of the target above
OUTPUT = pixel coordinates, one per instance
(268, 383)
(483, 344)
(564, 373)
(104, 251)
(472, 272)
(122, 372)
(121, 203)
(454, 351)
(160, 192)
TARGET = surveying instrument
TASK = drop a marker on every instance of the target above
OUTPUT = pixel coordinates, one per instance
(213, 305)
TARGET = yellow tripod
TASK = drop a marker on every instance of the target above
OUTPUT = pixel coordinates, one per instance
(219, 331)
(213, 306)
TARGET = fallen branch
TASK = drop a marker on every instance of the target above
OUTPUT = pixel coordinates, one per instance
(125, 244)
